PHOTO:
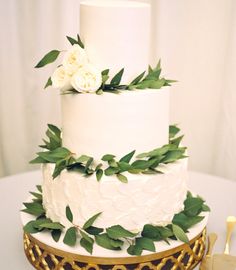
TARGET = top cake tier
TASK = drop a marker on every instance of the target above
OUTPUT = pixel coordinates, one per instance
(116, 35)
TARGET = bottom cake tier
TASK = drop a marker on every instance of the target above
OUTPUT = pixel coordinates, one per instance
(45, 254)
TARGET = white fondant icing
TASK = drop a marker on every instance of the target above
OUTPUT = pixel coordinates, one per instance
(118, 124)
(116, 35)
(144, 199)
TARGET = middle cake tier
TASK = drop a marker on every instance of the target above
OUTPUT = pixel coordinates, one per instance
(145, 199)
(115, 124)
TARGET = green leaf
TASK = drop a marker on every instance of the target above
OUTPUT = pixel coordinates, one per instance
(37, 195)
(156, 84)
(145, 244)
(113, 163)
(38, 160)
(94, 230)
(153, 75)
(193, 206)
(83, 158)
(156, 152)
(56, 235)
(111, 170)
(99, 92)
(177, 140)
(117, 231)
(134, 250)
(138, 78)
(70, 237)
(99, 174)
(72, 40)
(48, 58)
(34, 208)
(150, 69)
(90, 221)
(39, 188)
(186, 222)
(52, 225)
(105, 241)
(108, 157)
(86, 236)
(87, 245)
(122, 178)
(179, 233)
(142, 164)
(48, 83)
(206, 208)
(105, 72)
(158, 66)
(60, 166)
(124, 166)
(55, 155)
(88, 163)
(172, 156)
(55, 130)
(173, 130)
(117, 78)
(34, 225)
(156, 233)
(80, 42)
(127, 157)
(29, 227)
(69, 214)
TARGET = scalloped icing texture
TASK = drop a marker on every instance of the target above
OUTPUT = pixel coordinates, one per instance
(144, 199)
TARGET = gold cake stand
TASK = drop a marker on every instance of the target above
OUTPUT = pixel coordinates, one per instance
(183, 257)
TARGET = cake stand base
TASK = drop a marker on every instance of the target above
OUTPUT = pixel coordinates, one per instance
(183, 257)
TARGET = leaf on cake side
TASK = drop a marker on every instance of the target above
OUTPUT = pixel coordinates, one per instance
(69, 214)
(91, 220)
(70, 237)
(179, 233)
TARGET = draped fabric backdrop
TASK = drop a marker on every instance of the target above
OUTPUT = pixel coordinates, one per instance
(196, 41)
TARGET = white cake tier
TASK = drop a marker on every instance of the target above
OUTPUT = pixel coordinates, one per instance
(116, 35)
(115, 123)
(145, 199)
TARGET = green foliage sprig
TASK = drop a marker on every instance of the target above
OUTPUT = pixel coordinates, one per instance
(151, 78)
(145, 163)
(115, 237)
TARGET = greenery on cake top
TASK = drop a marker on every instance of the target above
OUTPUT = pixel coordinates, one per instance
(77, 74)
(143, 163)
(115, 237)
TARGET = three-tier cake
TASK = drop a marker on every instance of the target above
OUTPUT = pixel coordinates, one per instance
(114, 193)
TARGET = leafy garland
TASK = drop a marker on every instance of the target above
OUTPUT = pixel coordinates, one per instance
(145, 163)
(116, 236)
(152, 80)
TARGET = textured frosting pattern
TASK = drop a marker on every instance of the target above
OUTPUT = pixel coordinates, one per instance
(145, 199)
(100, 124)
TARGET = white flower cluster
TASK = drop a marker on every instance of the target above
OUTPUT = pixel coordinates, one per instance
(76, 72)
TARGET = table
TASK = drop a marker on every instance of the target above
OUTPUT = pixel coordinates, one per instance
(219, 193)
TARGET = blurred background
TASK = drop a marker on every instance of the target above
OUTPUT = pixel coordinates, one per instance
(196, 41)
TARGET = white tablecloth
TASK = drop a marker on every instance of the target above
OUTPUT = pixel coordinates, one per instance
(219, 193)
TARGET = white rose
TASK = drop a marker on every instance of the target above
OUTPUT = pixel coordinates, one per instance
(74, 59)
(60, 79)
(87, 79)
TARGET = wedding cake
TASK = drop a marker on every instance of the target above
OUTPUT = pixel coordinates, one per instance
(114, 175)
